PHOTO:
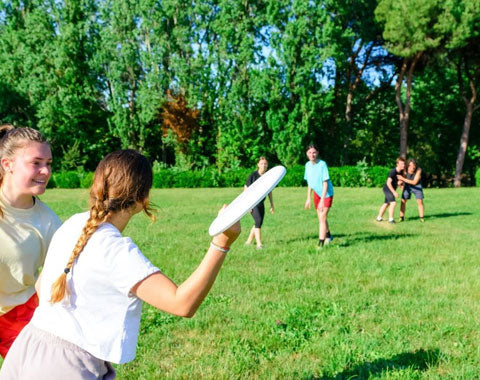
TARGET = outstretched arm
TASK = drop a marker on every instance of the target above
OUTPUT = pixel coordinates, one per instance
(184, 300)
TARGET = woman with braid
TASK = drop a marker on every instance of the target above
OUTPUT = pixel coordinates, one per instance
(26, 226)
(94, 281)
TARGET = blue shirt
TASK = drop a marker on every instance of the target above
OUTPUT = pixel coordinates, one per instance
(316, 175)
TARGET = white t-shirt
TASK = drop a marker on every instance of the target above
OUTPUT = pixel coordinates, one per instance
(102, 317)
(24, 238)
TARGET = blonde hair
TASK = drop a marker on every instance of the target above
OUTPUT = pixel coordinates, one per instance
(12, 139)
(122, 179)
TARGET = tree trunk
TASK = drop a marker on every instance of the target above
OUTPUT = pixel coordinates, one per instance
(398, 98)
(462, 150)
(352, 86)
(404, 109)
(470, 108)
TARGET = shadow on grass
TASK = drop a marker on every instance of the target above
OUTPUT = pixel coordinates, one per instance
(351, 239)
(420, 360)
(440, 215)
(363, 237)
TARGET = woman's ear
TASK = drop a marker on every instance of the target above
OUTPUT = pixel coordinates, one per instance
(7, 164)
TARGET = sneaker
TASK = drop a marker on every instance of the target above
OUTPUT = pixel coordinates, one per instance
(259, 246)
(391, 221)
(401, 219)
(378, 219)
(422, 220)
(327, 241)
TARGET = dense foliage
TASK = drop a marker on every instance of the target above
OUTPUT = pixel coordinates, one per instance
(217, 82)
(345, 176)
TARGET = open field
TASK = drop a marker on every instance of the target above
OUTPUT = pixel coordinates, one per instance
(383, 301)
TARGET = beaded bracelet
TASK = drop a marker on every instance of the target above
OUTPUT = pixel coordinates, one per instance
(221, 249)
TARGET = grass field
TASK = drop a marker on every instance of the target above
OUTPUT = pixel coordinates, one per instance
(381, 302)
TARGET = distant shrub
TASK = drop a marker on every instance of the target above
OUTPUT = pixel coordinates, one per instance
(234, 177)
(163, 177)
(51, 183)
(294, 176)
(86, 179)
(477, 177)
(67, 180)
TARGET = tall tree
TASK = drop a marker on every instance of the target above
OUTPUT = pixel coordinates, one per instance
(461, 23)
(356, 49)
(410, 32)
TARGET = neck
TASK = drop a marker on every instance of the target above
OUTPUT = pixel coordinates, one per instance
(22, 201)
(120, 219)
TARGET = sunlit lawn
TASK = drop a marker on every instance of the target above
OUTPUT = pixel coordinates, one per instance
(383, 301)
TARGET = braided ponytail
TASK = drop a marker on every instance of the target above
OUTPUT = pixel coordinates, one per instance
(122, 179)
(60, 287)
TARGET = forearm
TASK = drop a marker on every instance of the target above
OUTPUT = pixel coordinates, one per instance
(191, 293)
(309, 190)
(324, 190)
(389, 185)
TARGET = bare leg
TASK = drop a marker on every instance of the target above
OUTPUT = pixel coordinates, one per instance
(421, 208)
(382, 210)
(250, 236)
(258, 235)
(391, 210)
(322, 222)
(403, 206)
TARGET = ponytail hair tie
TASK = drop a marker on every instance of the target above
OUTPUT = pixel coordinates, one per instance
(66, 270)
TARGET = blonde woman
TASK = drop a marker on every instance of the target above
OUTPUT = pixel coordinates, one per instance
(26, 226)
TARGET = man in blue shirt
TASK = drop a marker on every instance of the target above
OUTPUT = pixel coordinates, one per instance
(318, 180)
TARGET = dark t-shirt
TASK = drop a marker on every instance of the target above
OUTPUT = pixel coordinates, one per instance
(252, 178)
(393, 175)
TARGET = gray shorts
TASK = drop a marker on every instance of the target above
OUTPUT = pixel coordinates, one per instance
(407, 192)
(37, 354)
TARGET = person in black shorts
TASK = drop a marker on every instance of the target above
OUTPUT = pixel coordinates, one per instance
(412, 180)
(389, 189)
(258, 212)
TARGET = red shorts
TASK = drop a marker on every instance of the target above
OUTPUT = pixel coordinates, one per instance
(14, 321)
(327, 202)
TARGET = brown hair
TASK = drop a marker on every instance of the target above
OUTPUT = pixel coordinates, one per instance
(121, 180)
(412, 160)
(399, 159)
(12, 139)
(310, 146)
(261, 158)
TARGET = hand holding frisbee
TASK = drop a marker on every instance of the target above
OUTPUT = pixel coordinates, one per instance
(247, 200)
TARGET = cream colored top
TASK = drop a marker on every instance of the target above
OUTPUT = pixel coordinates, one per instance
(24, 238)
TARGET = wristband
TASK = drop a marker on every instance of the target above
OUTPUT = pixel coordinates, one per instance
(221, 249)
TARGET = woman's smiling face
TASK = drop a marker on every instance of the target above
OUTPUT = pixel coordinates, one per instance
(29, 170)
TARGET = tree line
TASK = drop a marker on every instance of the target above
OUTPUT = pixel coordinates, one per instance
(222, 82)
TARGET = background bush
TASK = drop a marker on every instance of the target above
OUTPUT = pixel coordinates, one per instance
(67, 180)
(477, 177)
(344, 176)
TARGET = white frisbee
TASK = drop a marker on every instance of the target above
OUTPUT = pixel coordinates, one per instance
(247, 200)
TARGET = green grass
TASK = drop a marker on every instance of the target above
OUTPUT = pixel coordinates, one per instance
(381, 302)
